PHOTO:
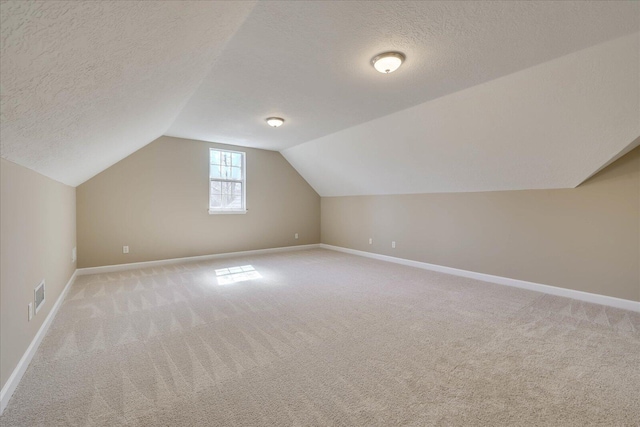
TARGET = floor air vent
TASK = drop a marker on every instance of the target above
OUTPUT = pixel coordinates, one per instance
(39, 296)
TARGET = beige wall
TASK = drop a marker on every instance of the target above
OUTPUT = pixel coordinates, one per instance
(38, 228)
(156, 202)
(586, 238)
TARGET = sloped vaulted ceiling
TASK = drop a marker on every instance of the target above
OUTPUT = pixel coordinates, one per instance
(493, 95)
(549, 126)
(84, 84)
(309, 61)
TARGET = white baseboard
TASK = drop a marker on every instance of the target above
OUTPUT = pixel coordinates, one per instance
(18, 372)
(147, 264)
(20, 369)
(553, 290)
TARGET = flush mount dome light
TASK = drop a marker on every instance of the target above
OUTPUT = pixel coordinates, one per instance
(275, 121)
(387, 62)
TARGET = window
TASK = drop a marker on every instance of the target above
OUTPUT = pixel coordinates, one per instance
(227, 183)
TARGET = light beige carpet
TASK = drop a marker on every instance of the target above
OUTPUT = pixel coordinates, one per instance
(324, 339)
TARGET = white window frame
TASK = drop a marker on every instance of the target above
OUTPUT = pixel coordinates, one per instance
(243, 181)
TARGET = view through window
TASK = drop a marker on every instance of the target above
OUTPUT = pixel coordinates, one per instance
(227, 183)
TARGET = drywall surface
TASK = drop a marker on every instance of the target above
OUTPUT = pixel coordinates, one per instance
(328, 83)
(549, 126)
(585, 239)
(156, 202)
(38, 229)
(86, 83)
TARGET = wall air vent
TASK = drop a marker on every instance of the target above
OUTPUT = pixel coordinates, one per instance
(39, 296)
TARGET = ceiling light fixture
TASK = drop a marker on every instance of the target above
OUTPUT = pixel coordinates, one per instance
(275, 121)
(387, 62)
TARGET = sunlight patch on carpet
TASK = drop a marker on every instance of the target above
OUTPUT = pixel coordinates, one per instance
(231, 275)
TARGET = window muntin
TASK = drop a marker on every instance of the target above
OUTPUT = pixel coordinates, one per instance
(227, 181)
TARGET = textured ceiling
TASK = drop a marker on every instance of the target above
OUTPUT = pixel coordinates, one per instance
(309, 61)
(84, 84)
(549, 126)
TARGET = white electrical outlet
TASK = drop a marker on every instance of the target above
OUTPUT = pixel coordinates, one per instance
(74, 255)
(370, 241)
(125, 249)
(296, 235)
(393, 245)
(30, 311)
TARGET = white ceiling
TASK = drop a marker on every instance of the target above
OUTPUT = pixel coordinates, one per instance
(309, 61)
(84, 84)
(549, 126)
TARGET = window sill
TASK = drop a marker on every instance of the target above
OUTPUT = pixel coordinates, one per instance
(211, 212)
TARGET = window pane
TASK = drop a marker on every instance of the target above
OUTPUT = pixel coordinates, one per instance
(236, 159)
(226, 199)
(236, 173)
(237, 189)
(215, 157)
(226, 172)
(228, 188)
(215, 201)
(225, 158)
(237, 196)
(214, 172)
